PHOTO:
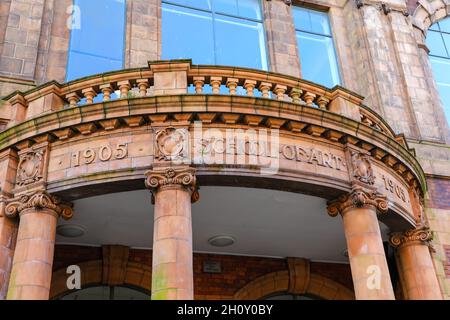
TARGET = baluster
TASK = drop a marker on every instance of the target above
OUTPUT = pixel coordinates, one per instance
(106, 90)
(295, 95)
(89, 94)
(249, 86)
(124, 87)
(215, 84)
(309, 98)
(143, 86)
(279, 90)
(199, 82)
(264, 87)
(73, 99)
(232, 84)
(322, 102)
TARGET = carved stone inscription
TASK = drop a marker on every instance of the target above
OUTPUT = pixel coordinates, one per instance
(104, 153)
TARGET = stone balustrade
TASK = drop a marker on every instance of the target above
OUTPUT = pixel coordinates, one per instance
(181, 77)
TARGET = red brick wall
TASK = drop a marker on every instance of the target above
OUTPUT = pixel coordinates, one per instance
(237, 271)
(439, 193)
(66, 255)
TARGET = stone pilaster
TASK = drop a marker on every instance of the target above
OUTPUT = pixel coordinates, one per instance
(281, 39)
(173, 189)
(8, 227)
(368, 263)
(143, 41)
(33, 258)
(20, 48)
(416, 264)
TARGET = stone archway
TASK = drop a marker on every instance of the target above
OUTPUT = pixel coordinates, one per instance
(429, 12)
(297, 280)
(113, 270)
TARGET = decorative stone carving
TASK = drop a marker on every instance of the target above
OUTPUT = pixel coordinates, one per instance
(38, 200)
(358, 198)
(299, 275)
(362, 168)
(422, 235)
(30, 168)
(170, 144)
(169, 177)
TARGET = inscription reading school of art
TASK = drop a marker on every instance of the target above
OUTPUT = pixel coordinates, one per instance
(104, 153)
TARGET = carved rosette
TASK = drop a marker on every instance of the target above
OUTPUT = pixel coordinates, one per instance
(30, 168)
(170, 144)
(358, 198)
(38, 200)
(362, 168)
(161, 178)
(422, 235)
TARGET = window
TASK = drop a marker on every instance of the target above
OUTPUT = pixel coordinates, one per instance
(221, 32)
(107, 293)
(97, 37)
(438, 41)
(316, 48)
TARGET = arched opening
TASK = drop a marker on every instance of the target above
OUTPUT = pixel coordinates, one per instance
(108, 293)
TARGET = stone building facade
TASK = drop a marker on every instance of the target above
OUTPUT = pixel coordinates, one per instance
(374, 151)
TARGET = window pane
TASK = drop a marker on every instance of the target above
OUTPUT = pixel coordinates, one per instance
(441, 71)
(311, 21)
(187, 34)
(436, 44)
(250, 9)
(434, 27)
(81, 65)
(446, 38)
(246, 50)
(98, 45)
(318, 60)
(445, 25)
(241, 8)
(199, 4)
(225, 6)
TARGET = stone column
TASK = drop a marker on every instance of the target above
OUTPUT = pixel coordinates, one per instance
(368, 263)
(8, 232)
(173, 189)
(416, 264)
(33, 258)
(8, 227)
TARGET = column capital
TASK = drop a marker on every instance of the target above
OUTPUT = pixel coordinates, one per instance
(173, 177)
(358, 198)
(421, 235)
(38, 200)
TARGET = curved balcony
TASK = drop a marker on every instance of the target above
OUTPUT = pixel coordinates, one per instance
(177, 91)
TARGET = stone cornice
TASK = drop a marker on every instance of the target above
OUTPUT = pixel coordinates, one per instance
(358, 198)
(38, 200)
(144, 109)
(422, 235)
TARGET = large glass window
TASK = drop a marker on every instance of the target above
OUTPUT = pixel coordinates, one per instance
(315, 45)
(97, 37)
(221, 32)
(438, 41)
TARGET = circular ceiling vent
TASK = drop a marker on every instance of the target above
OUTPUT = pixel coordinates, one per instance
(70, 230)
(221, 241)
